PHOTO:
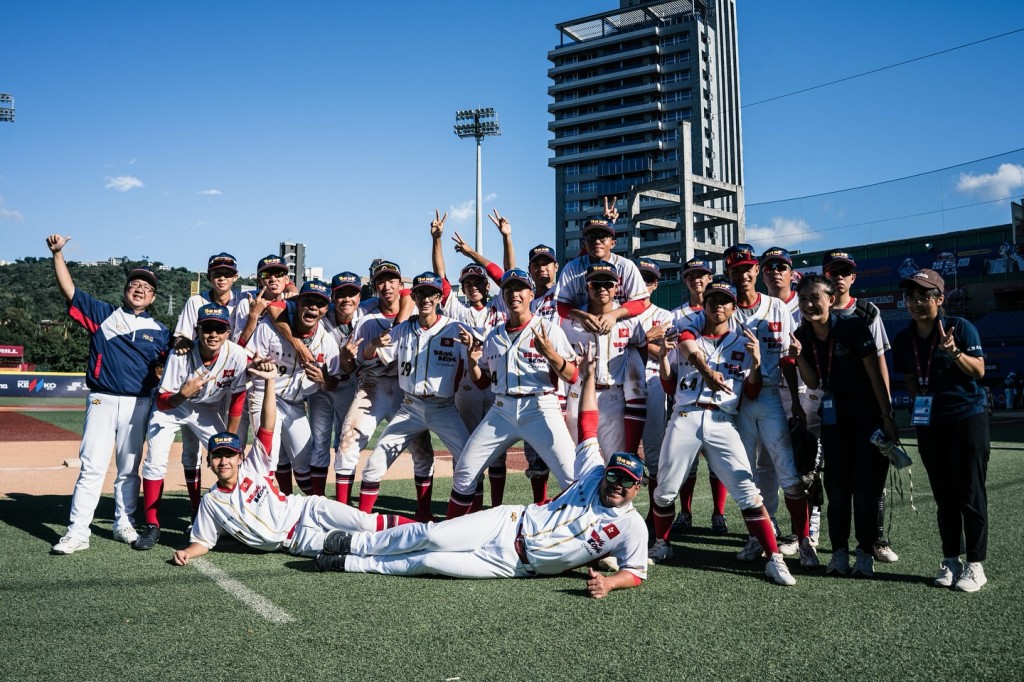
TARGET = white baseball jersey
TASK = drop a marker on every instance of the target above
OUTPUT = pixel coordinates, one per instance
(546, 306)
(572, 284)
(652, 317)
(481, 320)
(187, 321)
(431, 361)
(515, 366)
(369, 328)
(342, 332)
(292, 384)
(726, 354)
(228, 367)
(611, 349)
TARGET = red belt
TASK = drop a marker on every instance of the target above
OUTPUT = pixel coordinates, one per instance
(520, 545)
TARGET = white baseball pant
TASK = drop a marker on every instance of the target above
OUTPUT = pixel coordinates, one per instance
(199, 422)
(763, 424)
(319, 517)
(654, 427)
(417, 416)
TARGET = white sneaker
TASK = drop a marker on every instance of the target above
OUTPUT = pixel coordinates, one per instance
(609, 563)
(883, 552)
(972, 579)
(949, 572)
(789, 545)
(69, 545)
(808, 555)
(660, 551)
(683, 523)
(777, 570)
(863, 565)
(840, 563)
(127, 535)
(751, 551)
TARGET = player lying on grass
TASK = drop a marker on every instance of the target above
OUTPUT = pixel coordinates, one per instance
(246, 504)
(593, 518)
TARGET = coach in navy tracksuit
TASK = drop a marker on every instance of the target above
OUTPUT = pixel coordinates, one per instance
(125, 348)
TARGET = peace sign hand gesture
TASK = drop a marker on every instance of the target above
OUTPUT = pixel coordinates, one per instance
(191, 388)
(437, 224)
(501, 222)
(610, 211)
(753, 347)
(947, 342)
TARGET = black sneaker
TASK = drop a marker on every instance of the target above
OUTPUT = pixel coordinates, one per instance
(149, 535)
(338, 542)
(330, 562)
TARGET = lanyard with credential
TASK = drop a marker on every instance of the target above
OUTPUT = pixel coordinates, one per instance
(922, 379)
(824, 380)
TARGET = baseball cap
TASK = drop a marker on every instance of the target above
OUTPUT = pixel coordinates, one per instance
(222, 260)
(225, 440)
(776, 253)
(211, 312)
(385, 268)
(696, 265)
(315, 287)
(926, 278)
(542, 251)
(594, 225)
(837, 258)
(628, 463)
(346, 280)
(271, 262)
(427, 280)
(472, 270)
(740, 254)
(602, 270)
(722, 286)
(142, 273)
(516, 275)
(648, 265)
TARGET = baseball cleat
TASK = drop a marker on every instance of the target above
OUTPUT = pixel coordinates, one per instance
(840, 563)
(127, 535)
(751, 551)
(972, 579)
(883, 552)
(863, 565)
(338, 542)
(659, 552)
(609, 563)
(808, 555)
(718, 525)
(777, 570)
(69, 545)
(683, 522)
(149, 535)
(789, 545)
(330, 562)
(949, 572)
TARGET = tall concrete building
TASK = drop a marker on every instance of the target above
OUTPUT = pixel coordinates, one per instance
(623, 83)
(295, 255)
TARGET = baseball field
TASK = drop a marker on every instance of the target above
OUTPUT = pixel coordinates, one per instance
(114, 613)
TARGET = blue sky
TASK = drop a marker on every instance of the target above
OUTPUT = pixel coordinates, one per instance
(175, 131)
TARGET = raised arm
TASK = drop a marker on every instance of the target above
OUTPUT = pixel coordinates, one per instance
(437, 248)
(505, 228)
(56, 243)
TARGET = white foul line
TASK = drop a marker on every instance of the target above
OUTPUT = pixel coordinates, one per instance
(261, 605)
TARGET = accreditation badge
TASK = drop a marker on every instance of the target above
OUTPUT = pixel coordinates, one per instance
(922, 415)
(827, 410)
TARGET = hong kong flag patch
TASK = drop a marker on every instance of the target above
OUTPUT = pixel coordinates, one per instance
(611, 531)
(623, 332)
(447, 342)
(738, 355)
(775, 327)
(245, 484)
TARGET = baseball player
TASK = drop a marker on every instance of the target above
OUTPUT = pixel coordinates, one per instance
(705, 417)
(298, 379)
(246, 504)
(621, 385)
(430, 352)
(593, 518)
(525, 358)
(840, 268)
(191, 398)
(126, 346)
(378, 395)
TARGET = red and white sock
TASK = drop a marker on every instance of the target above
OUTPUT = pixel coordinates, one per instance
(540, 489)
(718, 494)
(368, 492)
(800, 512)
(152, 491)
(759, 524)
(284, 477)
(318, 479)
(636, 418)
(343, 487)
(686, 493)
(496, 476)
(424, 496)
(663, 516)
(193, 481)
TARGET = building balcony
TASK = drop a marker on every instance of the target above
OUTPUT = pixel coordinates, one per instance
(607, 112)
(611, 93)
(646, 69)
(645, 51)
(608, 153)
(604, 133)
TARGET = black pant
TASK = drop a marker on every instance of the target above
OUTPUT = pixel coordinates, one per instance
(855, 472)
(955, 455)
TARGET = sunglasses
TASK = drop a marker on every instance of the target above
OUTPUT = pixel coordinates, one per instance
(207, 328)
(602, 285)
(776, 267)
(619, 479)
(838, 272)
(597, 238)
(274, 274)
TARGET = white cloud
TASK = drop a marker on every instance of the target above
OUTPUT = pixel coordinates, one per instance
(782, 232)
(123, 183)
(9, 213)
(1007, 181)
(210, 192)
(467, 209)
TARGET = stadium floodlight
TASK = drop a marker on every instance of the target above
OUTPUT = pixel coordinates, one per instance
(6, 108)
(478, 124)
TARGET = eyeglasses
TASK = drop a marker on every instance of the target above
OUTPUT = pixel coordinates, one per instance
(274, 274)
(918, 300)
(141, 286)
(213, 328)
(619, 479)
(835, 273)
(776, 267)
(593, 238)
(602, 284)
(222, 274)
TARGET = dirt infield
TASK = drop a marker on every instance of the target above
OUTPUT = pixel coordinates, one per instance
(15, 427)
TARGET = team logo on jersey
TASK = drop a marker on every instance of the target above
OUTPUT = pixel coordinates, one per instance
(514, 516)
(574, 395)
(228, 373)
(610, 530)
(97, 401)
(738, 355)
(775, 327)
(245, 484)
(623, 332)
(448, 342)
(533, 343)
(120, 327)
(734, 370)
(320, 358)
(595, 541)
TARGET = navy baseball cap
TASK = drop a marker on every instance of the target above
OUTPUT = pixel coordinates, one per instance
(833, 258)
(696, 265)
(211, 312)
(542, 251)
(225, 440)
(346, 280)
(142, 273)
(427, 280)
(720, 286)
(385, 268)
(271, 262)
(222, 260)
(628, 463)
(594, 225)
(315, 287)
(649, 266)
(926, 278)
(473, 270)
(602, 270)
(516, 275)
(776, 253)
(740, 254)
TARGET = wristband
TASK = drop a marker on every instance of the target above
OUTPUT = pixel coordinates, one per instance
(565, 363)
(957, 353)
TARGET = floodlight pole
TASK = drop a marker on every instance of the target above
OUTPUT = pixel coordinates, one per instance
(477, 123)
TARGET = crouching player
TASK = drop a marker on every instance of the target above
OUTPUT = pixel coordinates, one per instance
(246, 504)
(592, 519)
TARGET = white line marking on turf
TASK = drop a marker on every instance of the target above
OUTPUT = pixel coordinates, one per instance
(33, 468)
(261, 605)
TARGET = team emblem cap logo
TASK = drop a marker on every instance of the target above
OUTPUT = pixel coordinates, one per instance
(740, 254)
(721, 287)
(224, 440)
(926, 278)
(516, 275)
(836, 258)
(602, 270)
(427, 280)
(211, 312)
(346, 280)
(696, 265)
(777, 253)
(594, 225)
(383, 268)
(542, 251)
(628, 463)
(472, 271)
(222, 260)
(315, 287)
(144, 274)
(648, 265)
(271, 263)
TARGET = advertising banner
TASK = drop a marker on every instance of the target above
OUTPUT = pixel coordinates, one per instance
(42, 385)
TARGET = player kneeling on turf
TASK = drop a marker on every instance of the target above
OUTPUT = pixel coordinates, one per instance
(593, 518)
(246, 504)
